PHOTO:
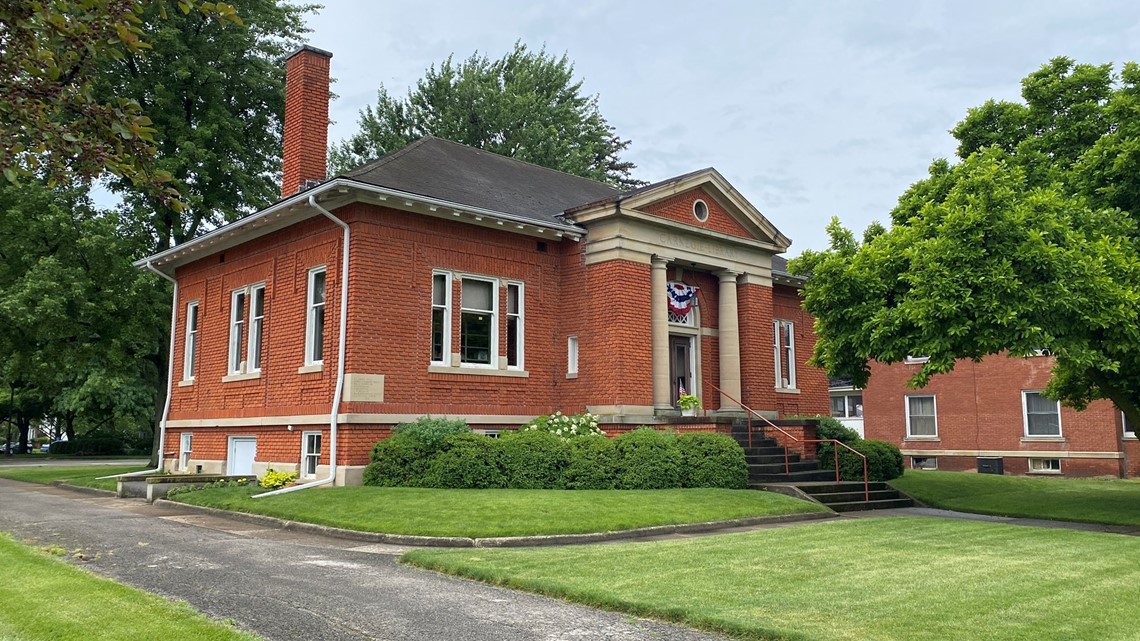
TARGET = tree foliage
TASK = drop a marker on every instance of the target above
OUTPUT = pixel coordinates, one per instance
(525, 105)
(51, 123)
(1029, 241)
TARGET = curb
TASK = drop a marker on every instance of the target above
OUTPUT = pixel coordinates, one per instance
(84, 490)
(504, 541)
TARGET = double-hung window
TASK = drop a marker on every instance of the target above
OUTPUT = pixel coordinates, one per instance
(184, 443)
(1042, 415)
(572, 356)
(245, 331)
(1129, 430)
(315, 318)
(190, 352)
(921, 416)
(784, 351)
(515, 325)
(441, 318)
(847, 405)
(310, 454)
(478, 322)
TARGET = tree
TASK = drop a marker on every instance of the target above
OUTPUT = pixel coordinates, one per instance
(216, 95)
(525, 105)
(50, 122)
(1030, 241)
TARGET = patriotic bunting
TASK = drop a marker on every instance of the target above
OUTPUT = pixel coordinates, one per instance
(681, 297)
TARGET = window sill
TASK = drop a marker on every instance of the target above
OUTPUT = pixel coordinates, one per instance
(922, 439)
(1043, 439)
(572, 375)
(186, 383)
(787, 390)
(248, 376)
(478, 371)
(1045, 472)
(311, 369)
(1131, 437)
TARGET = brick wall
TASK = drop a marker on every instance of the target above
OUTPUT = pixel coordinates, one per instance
(811, 382)
(679, 208)
(979, 408)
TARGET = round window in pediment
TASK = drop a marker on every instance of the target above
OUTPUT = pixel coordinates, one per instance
(700, 210)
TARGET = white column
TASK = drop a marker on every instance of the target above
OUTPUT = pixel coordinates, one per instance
(660, 323)
(729, 334)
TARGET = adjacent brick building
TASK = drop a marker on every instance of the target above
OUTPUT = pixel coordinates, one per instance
(478, 287)
(983, 413)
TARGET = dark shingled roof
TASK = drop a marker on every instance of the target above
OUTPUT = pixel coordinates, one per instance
(780, 264)
(449, 171)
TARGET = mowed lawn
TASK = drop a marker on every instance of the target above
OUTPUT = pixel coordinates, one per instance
(900, 578)
(490, 513)
(1108, 501)
(82, 475)
(45, 598)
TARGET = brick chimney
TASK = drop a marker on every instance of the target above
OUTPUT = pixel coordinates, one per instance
(306, 118)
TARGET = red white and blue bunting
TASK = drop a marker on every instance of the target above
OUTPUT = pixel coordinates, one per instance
(681, 297)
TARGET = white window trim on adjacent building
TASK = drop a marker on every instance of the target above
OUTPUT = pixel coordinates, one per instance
(310, 459)
(571, 357)
(246, 330)
(912, 360)
(444, 309)
(255, 328)
(239, 298)
(1128, 430)
(190, 349)
(314, 345)
(909, 426)
(519, 316)
(784, 344)
(493, 357)
(851, 409)
(185, 442)
(1025, 416)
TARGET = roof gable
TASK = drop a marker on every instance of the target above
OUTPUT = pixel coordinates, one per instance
(681, 208)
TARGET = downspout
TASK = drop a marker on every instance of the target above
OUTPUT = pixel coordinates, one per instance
(169, 381)
(343, 339)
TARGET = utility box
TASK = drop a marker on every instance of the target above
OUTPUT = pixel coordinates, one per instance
(991, 465)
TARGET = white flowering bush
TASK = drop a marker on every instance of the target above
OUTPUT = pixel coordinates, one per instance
(559, 424)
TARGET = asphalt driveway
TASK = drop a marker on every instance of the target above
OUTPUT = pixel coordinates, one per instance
(288, 585)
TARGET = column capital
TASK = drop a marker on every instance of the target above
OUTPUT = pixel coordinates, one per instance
(727, 275)
(659, 262)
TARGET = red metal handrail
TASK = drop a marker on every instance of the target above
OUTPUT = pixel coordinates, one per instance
(787, 461)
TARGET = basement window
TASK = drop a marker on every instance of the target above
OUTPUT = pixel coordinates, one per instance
(1045, 465)
(923, 463)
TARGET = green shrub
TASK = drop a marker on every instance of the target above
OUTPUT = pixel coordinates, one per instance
(90, 446)
(401, 460)
(712, 460)
(534, 460)
(593, 464)
(432, 430)
(584, 424)
(275, 480)
(467, 461)
(884, 461)
(831, 428)
(648, 459)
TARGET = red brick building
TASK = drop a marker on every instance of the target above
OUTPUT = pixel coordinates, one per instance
(446, 280)
(993, 410)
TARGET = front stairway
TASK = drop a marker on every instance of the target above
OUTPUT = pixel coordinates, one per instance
(766, 470)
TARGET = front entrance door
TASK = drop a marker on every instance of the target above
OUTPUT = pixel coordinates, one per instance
(243, 449)
(681, 366)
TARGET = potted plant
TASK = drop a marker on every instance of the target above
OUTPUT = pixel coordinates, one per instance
(689, 404)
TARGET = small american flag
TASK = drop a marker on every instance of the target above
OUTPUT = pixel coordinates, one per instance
(681, 388)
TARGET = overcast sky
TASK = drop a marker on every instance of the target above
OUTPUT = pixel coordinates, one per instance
(810, 109)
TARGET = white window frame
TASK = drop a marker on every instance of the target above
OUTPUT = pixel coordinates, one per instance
(778, 347)
(846, 396)
(1025, 416)
(234, 362)
(190, 347)
(185, 445)
(445, 356)
(520, 326)
(494, 356)
(572, 356)
(913, 360)
(306, 455)
(1124, 427)
(255, 329)
(915, 466)
(310, 316)
(1037, 466)
(906, 407)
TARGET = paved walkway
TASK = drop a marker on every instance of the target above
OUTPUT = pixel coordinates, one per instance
(1130, 530)
(287, 585)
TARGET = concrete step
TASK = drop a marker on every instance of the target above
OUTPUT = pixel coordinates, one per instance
(842, 486)
(757, 469)
(886, 504)
(767, 451)
(761, 459)
(793, 478)
(829, 498)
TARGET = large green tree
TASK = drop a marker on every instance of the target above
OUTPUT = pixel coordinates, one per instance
(526, 105)
(1029, 241)
(215, 92)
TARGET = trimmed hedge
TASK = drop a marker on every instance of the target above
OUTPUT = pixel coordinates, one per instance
(398, 461)
(593, 464)
(648, 459)
(829, 427)
(432, 430)
(884, 461)
(467, 461)
(534, 460)
(712, 460)
(92, 446)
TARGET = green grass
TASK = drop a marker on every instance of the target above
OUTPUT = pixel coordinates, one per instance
(885, 579)
(1107, 501)
(84, 476)
(488, 513)
(46, 598)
